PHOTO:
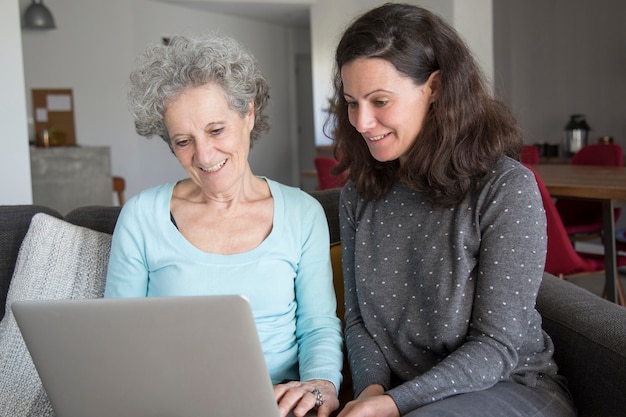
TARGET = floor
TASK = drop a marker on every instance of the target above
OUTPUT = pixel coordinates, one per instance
(594, 283)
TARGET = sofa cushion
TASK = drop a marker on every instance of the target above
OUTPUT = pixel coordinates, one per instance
(14, 222)
(100, 218)
(57, 260)
(335, 259)
(329, 199)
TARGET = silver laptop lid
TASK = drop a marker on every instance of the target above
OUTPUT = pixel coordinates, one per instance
(171, 356)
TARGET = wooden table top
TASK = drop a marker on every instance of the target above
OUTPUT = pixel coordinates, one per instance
(584, 181)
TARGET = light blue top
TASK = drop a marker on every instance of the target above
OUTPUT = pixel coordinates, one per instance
(287, 278)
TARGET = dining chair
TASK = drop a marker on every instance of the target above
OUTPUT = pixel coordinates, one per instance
(583, 219)
(529, 155)
(325, 178)
(119, 185)
(562, 259)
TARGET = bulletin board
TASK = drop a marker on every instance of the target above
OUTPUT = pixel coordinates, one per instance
(53, 114)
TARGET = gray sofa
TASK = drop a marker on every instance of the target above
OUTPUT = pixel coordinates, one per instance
(589, 333)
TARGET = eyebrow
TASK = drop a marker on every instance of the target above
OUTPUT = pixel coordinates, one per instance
(380, 90)
(208, 126)
(178, 135)
(212, 124)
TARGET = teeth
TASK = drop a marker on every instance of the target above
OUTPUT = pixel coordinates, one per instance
(375, 138)
(214, 167)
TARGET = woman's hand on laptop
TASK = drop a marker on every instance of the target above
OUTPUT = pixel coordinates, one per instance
(300, 397)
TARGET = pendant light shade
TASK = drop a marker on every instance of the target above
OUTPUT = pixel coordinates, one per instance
(37, 16)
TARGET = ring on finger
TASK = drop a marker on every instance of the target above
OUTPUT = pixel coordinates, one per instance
(319, 400)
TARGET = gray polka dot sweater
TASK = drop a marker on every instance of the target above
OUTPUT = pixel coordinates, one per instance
(441, 301)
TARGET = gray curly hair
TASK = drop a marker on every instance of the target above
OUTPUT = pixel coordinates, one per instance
(165, 71)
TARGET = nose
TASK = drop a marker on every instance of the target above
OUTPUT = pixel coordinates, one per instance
(363, 119)
(204, 151)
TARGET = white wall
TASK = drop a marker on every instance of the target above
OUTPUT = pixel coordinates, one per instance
(569, 58)
(15, 183)
(472, 18)
(92, 51)
(474, 21)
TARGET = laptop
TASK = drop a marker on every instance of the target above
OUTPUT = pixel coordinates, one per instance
(169, 356)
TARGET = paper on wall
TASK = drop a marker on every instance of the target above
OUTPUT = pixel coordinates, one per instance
(41, 115)
(59, 102)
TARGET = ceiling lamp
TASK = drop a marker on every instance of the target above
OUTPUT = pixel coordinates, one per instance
(37, 16)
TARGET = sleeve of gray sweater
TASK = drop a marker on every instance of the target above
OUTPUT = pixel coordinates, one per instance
(455, 313)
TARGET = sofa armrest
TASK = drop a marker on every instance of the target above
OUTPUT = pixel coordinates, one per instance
(589, 335)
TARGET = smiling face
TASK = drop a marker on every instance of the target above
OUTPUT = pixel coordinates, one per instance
(386, 107)
(210, 140)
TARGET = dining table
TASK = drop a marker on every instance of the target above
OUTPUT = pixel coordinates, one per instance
(606, 184)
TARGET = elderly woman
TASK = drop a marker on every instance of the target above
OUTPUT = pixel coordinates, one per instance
(224, 230)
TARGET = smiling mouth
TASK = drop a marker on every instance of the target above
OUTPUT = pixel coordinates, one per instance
(377, 138)
(214, 167)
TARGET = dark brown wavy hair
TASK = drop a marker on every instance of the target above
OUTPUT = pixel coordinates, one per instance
(466, 130)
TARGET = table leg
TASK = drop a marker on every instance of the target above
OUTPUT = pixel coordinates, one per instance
(610, 253)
